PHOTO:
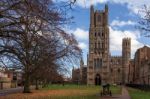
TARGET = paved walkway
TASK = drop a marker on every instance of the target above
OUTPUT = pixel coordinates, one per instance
(5, 92)
(124, 95)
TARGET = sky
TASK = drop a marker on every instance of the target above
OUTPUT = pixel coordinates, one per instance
(123, 19)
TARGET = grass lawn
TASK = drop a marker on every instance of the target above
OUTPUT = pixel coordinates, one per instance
(138, 94)
(64, 92)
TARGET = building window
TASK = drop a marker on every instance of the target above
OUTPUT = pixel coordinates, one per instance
(98, 63)
(102, 45)
(102, 34)
(99, 18)
(91, 79)
(95, 63)
(99, 34)
(95, 51)
(98, 45)
(95, 45)
(111, 70)
(95, 34)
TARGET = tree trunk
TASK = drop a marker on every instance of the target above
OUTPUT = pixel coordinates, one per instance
(27, 84)
(37, 87)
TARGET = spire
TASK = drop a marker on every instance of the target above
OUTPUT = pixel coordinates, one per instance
(106, 8)
(73, 68)
(91, 16)
(106, 14)
(81, 62)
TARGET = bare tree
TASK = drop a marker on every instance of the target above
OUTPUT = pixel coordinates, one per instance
(31, 36)
(144, 22)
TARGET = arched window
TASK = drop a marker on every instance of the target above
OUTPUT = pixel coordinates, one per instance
(99, 18)
(95, 63)
(95, 34)
(98, 45)
(100, 62)
(111, 70)
(95, 45)
(102, 34)
(118, 70)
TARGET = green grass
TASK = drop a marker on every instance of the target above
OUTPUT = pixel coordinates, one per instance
(65, 92)
(138, 94)
(68, 86)
(84, 91)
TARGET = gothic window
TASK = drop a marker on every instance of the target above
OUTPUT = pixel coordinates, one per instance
(99, 34)
(102, 45)
(95, 34)
(95, 45)
(111, 70)
(101, 62)
(95, 63)
(99, 18)
(118, 70)
(91, 79)
(102, 34)
(98, 45)
(95, 51)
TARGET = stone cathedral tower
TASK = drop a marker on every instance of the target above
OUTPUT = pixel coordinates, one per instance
(98, 58)
(126, 56)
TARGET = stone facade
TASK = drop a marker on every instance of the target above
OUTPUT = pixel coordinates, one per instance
(102, 67)
(142, 66)
(131, 71)
(83, 73)
(98, 60)
(79, 75)
(115, 70)
(76, 75)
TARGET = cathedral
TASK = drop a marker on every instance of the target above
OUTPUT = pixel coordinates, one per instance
(102, 67)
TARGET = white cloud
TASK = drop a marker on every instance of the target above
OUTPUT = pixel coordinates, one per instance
(81, 34)
(122, 23)
(87, 3)
(116, 37)
(82, 45)
(133, 5)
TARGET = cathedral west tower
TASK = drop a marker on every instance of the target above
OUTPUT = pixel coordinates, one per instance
(98, 58)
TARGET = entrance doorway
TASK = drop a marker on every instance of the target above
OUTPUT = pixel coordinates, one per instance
(97, 79)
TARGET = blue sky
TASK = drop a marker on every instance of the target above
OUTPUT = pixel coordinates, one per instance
(123, 17)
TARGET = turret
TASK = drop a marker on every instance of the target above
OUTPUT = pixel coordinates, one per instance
(81, 70)
(126, 55)
(106, 14)
(92, 16)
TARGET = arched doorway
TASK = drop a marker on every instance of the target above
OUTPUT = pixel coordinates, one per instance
(97, 79)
